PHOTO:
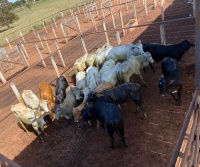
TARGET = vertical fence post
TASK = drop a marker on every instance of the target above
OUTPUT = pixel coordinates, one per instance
(118, 38)
(21, 36)
(8, 42)
(22, 56)
(45, 27)
(126, 5)
(47, 44)
(83, 44)
(62, 15)
(194, 8)
(162, 26)
(55, 66)
(39, 53)
(145, 6)
(24, 50)
(102, 11)
(154, 2)
(54, 21)
(54, 32)
(93, 21)
(60, 55)
(111, 12)
(122, 22)
(33, 30)
(134, 9)
(106, 34)
(16, 92)
(77, 23)
(2, 78)
(63, 31)
(40, 39)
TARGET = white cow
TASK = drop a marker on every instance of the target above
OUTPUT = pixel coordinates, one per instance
(65, 109)
(111, 75)
(101, 54)
(90, 59)
(81, 80)
(133, 65)
(106, 66)
(32, 101)
(122, 52)
(29, 116)
(80, 64)
(92, 78)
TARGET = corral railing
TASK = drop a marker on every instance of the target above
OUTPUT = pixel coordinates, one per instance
(5, 162)
(186, 152)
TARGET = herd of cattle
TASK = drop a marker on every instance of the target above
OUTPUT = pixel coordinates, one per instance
(102, 84)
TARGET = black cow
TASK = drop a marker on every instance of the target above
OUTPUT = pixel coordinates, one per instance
(171, 82)
(119, 95)
(61, 85)
(176, 51)
(109, 115)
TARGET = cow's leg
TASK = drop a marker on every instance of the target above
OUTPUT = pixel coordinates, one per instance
(150, 64)
(121, 134)
(36, 126)
(110, 132)
(142, 79)
(24, 127)
(173, 95)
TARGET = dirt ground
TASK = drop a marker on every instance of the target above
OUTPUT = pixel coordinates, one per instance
(150, 142)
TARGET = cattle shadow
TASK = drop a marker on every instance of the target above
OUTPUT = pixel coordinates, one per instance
(73, 145)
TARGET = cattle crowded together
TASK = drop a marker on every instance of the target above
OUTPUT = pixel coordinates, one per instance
(103, 82)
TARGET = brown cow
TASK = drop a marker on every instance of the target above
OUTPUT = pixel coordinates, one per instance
(46, 93)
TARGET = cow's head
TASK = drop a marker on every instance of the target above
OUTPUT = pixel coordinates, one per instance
(77, 114)
(57, 111)
(76, 91)
(60, 96)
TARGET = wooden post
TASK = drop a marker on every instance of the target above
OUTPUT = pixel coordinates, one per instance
(118, 38)
(24, 50)
(106, 34)
(111, 12)
(16, 92)
(22, 56)
(55, 66)
(122, 22)
(154, 2)
(40, 39)
(145, 6)
(39, 53)
(2, 78)
(94, 22)
(77, 23)
(54, 21)
(8, 42)
(197, 47)
(54, 32)
(83, 43)
(22, 36)
(194, 8)
(59, 52)
(162, 34)
(102, 11)
(134, 10)
(62, 14)
(47, 44)
(45, 27)
(126, 5)
(63, 31)
(162, 26)
(33, 30)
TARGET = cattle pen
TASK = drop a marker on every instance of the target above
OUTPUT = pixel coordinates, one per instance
(151, 142)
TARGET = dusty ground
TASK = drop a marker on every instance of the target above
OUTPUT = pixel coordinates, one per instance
(150, 142)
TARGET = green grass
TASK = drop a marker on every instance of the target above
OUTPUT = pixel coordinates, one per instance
(40, 10)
